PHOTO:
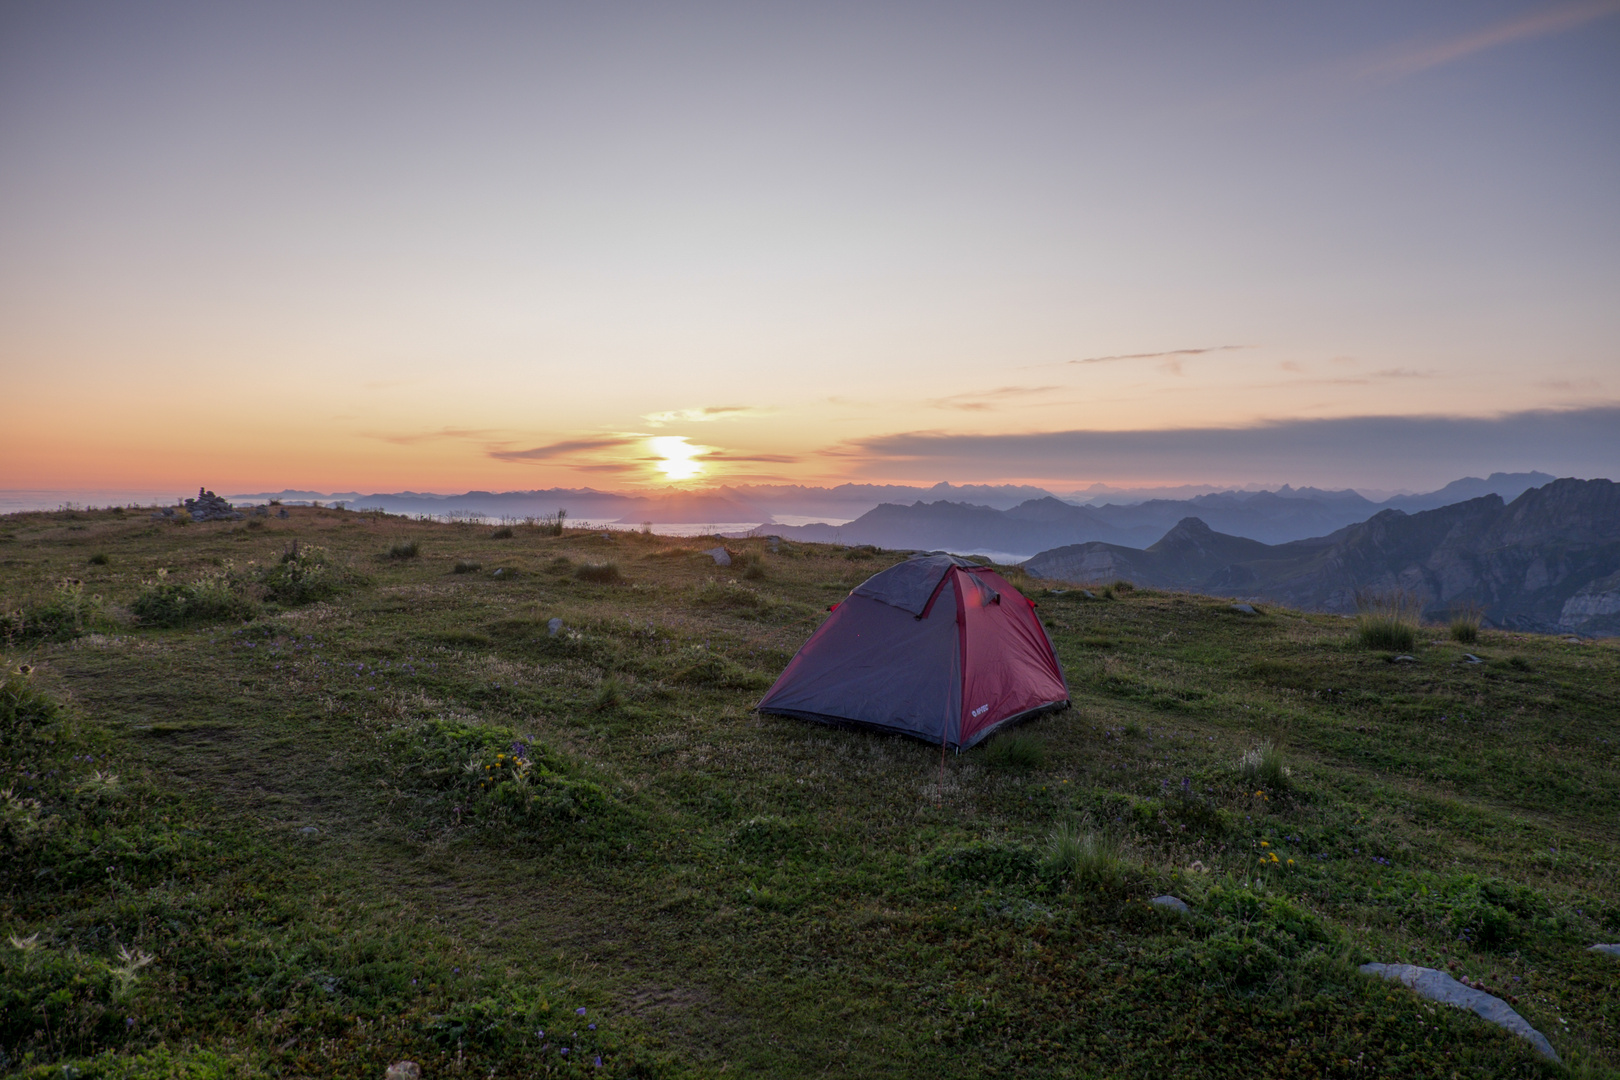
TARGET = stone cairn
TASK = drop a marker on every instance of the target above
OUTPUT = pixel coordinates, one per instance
(205, 507)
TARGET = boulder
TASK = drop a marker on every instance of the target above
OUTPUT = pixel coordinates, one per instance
(1171, 903)
(1612, 950)
(553, 627)
(720, 555)
(1438, 986)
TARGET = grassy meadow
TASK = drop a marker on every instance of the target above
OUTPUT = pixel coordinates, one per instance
(306, 812)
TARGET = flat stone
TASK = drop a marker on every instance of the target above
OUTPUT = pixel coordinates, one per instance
(1088, 594)
(1470, 658)
(553, 627)
(1405, 658)
(309, 830)
(1612, 950)
(1244, 609)
(1171, 903)
(499, 572)
(1438, 986)
(720, 555)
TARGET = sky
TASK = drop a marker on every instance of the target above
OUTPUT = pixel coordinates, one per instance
(504, 246)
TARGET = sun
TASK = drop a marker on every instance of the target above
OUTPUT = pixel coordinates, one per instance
(678, 459)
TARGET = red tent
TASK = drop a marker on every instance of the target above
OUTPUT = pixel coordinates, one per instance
(936, 647)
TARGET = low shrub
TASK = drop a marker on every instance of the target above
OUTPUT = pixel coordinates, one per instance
(99, 559)
(404, 549)
(215, 597)
(503, 533)
(65, 615)
(1015, 752)
(305, 575)
(606, 573)
(23, 705)
(467, 566)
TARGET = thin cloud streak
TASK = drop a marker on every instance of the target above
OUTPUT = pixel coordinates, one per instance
(566, 447)
(1173, 354)
(1348, 450)
(701, 416)
(409, 439)
(1410, 60)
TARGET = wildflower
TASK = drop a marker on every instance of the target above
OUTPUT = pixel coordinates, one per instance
(1265, 843)
(129, 1022)
(564, 1050)
(598, 1061)
(580, 1011)
(1290, 862)
(590, 1027)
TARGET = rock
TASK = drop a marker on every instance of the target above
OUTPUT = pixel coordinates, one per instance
(1470, 658)
(1088, 594)
(282, 513)
(261, 511)
(1612, 950)
(500, 571)
(210, 507)
(1405, 658)
(309, 830)
(403, 1070)
(1572, 640)
(1244, 609)
(1438, 986)
(720, 555)
(1171, 903)
(166, 512)
(553, 627)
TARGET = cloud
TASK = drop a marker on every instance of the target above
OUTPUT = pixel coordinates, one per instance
(408, 438)
(1402, 451)
(983, 400)
(1173, 355)
(1410, 59)
(775, 459)
(567, 448)
(704, 415)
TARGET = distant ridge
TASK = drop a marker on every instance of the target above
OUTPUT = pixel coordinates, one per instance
(1548, 561)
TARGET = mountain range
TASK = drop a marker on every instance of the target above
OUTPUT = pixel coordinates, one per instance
(1548, 561)
(1019, 531)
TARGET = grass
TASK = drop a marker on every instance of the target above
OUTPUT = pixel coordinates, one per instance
(603, 573)
(407, 549)
(467, 566)
(1465, 623)
(1265, 766)
(1015, 751)
(1387, 620)
(1085, 856)
(403, 820)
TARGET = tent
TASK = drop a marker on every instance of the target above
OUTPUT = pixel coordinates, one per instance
(937, 647)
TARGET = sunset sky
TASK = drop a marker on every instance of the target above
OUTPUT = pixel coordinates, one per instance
(510, 245)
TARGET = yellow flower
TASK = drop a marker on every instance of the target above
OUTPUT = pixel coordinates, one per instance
(1265, 843)
(1290, 862)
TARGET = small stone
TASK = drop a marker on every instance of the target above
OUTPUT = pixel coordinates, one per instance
(1438, 986)
(403, 1070)
(1470, 658)
(720, 555)
(309, 830)
(553, 627)
(1405, 658)
(1572, 640)
(1612, 950)
(1088, 594)
(1244, 609)
(1171, 903)
(500, 571)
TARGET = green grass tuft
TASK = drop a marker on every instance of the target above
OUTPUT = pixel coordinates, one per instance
(1016, 751)
(503, 533)
(467, 566)
(404, 549)
(604, 573)
(1085, 855)
(1265, 765)
(1387, 620)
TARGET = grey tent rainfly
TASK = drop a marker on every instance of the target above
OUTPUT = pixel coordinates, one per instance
(936, 647)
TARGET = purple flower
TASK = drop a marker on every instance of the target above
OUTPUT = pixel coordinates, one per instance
(598, 1061)
(590, 1027)
(129, 1022)
(564, 1050)
(580, 1011)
